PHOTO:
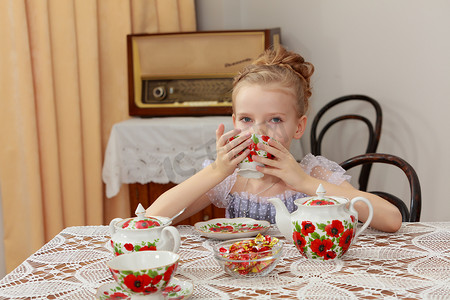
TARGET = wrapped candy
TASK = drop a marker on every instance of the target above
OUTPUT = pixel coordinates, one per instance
(248, 256)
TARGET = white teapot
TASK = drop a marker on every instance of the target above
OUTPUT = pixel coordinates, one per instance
(322, 227)
(143, 233)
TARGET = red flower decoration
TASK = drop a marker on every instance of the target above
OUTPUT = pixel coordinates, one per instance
(321, 202)
(214, 229)
(346, 239)
(265, 138)
(172, 288)
(169, 272)
(177, 288)
(146, 224)
(250, 159)
(151, 289)
(321, 247)
(125, 225)
(353, 218)
(137, 283)
(329, 255)
(148, 248)
(335, 228)
(307, 227)
(299, 241)
(227, 228)
(156, 279)
(129, 246)
(118, 295)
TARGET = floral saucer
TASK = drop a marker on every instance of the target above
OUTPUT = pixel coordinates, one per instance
(225, 229)
(176, 290)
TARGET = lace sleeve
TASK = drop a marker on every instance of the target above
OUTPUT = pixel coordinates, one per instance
(323, 168)
(218, 194)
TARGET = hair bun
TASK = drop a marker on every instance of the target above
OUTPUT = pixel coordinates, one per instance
(287, 59)
(282, 67)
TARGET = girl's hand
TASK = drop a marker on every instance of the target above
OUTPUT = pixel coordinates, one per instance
(283, 165)
(230, 154)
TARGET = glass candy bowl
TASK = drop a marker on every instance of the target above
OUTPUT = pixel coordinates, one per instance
(241, 258)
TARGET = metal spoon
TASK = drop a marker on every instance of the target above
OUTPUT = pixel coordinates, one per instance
(179, 213)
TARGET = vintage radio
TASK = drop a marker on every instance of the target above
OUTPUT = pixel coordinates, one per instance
(190, 73)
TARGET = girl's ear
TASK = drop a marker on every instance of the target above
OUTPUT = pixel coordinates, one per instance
(301, 126)
(234, 120)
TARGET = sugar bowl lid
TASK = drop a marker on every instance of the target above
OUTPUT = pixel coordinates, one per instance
(140, 221)
(321, 199)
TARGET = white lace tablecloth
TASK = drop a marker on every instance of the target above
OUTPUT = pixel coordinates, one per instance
(413, 263)
(162, 150)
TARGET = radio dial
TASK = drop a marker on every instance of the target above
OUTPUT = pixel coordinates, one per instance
(159, 93)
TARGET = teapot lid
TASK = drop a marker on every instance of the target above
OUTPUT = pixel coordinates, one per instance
(320, 199)
(140, 222)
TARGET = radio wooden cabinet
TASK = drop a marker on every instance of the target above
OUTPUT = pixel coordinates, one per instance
(147, 193)
(190, 73)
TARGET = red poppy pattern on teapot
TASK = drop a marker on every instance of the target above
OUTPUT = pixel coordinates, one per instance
(324, 241)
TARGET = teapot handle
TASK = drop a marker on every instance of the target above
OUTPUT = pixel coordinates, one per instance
(353, 210)
(168, 233)
(112, 225)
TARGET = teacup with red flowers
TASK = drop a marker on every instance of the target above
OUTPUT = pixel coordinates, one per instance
(247, 168)
(144, 275)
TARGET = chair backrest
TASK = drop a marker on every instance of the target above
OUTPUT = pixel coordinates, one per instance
(374, 130)
(415, 203)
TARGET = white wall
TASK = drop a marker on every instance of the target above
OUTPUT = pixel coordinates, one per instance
(397, 52)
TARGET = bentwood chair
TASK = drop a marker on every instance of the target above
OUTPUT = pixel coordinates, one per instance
(374, 129)
(415, 203)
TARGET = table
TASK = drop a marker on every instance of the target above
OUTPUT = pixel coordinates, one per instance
(413, 263)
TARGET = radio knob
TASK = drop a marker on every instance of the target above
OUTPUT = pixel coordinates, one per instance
(159, 93)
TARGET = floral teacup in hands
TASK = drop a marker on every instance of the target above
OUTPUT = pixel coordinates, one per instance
(247, 168)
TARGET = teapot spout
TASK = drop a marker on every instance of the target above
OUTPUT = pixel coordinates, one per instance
(282, 218)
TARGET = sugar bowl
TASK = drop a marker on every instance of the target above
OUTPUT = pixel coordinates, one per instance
(143, 233)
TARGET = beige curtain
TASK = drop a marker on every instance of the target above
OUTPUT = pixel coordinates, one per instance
(63, 84)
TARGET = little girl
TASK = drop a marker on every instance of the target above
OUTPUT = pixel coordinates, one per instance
(270, 97)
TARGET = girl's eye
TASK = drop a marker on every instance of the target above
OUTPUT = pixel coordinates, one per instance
(276, 120)
(246, 119)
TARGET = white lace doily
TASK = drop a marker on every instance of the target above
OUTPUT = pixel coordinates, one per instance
(413, 263)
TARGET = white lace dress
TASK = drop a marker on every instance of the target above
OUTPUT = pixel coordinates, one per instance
(244, 204)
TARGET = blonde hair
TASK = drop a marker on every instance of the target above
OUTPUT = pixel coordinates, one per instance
(283, 67)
